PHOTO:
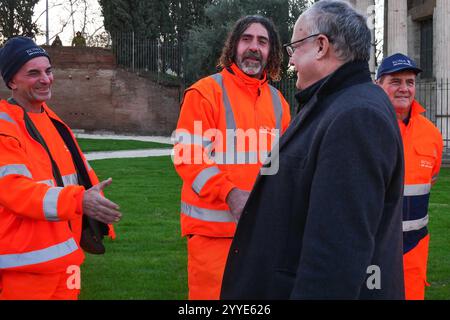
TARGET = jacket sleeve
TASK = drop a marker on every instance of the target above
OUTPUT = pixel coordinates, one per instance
(356, 160)
(194, 139)
(437, 166)
(27, 197)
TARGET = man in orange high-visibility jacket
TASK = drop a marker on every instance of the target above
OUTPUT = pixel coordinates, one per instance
(41, 200)
(228, 124)
(423, 146)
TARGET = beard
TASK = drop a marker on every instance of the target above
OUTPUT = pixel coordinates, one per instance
(251, 68)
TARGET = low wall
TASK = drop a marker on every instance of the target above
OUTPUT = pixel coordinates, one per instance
(91, 93)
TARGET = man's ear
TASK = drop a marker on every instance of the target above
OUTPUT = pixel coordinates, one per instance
(324, 46)
(12, 85)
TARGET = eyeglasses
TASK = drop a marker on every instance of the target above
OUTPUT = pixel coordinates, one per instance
(290, 49)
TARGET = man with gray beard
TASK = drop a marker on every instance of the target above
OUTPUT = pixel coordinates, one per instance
(216, 182)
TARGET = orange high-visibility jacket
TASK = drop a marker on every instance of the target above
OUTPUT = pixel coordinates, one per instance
(40, 224)
(225, 129)
(423, 146)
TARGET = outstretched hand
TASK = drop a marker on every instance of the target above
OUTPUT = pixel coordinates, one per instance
(98, 207)
(236, 200)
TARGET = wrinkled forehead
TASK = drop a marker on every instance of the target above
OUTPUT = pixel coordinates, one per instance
(300, 27)
(38, 63)
(402, 75)
(256, 29)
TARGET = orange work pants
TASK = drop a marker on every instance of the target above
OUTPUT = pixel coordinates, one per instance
(206, 263)
(415, 270)
(35, 286)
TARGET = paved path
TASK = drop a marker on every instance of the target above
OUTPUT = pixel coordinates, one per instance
(124, 137)
(140, 153)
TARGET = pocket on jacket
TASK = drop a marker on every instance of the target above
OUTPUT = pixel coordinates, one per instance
(427, 150)
(426, 155)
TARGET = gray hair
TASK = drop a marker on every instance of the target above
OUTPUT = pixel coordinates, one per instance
(346, 28)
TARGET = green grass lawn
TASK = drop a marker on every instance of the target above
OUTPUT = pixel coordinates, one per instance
(148, 258)
(91, 145)
(439, 255)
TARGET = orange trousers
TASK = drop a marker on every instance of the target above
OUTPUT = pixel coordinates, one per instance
(206, 263)
(415, 270)
(35, 286)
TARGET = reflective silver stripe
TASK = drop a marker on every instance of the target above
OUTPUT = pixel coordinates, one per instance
(235, 157)
(277, 108)
(417, 189)
(88, 166)
(39, 256)
(231, 123)
(415, 224)
(231, 156)
(206, 214)
(15, 169)
(187, 138)
(51, 204)
(203, 177)
(435, 178)
(47, 182)
(6, 117)
(70, 180)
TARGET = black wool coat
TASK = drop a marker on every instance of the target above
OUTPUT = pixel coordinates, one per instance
(328, 224)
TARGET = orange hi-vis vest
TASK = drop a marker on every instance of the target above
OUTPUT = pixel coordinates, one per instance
(227, 126)
(422, 143)
(40, 223)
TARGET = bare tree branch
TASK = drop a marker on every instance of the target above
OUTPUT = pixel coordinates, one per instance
(50, 7)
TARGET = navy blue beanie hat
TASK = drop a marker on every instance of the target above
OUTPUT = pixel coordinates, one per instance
(15, 53)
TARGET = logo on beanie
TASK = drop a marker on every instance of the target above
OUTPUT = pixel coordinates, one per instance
(33, 51)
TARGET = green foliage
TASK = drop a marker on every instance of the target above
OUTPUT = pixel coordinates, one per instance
(156, 19)
(16, 19)
(206, 40)
(142, 30)
(197, 28)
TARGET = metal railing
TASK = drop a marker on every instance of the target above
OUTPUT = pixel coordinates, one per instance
(161, 61)
(288, 89)
(435, 98)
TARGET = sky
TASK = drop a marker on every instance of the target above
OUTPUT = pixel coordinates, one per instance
(61, 22)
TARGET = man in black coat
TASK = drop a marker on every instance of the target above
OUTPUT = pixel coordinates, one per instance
(328, 225)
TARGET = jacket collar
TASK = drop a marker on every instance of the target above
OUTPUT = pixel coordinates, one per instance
(414, 112)
(245, 80)
(18, 111)
(305, 95)
(349, 74)
(416, 109)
